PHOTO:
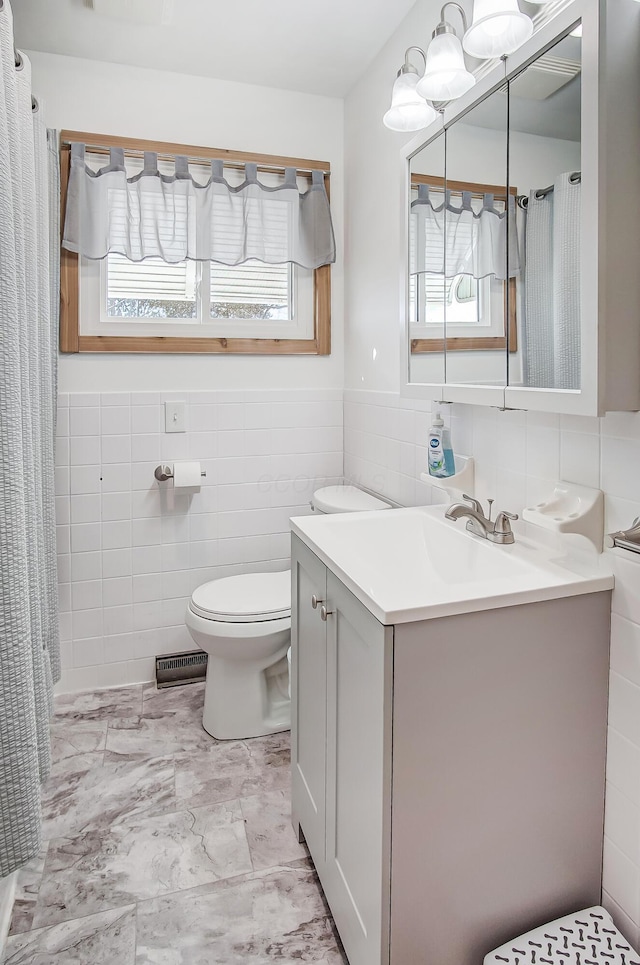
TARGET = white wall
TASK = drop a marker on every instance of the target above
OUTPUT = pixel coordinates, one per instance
(372, 215)
(268, 430)
(105, 98)
(519, 455)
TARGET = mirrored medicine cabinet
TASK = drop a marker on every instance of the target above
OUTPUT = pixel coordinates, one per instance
(521, 227)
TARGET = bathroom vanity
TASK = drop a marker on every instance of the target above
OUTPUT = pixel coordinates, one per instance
(449, 727)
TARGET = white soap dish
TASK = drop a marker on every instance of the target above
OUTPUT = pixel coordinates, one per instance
(462, 481)
(571, 509)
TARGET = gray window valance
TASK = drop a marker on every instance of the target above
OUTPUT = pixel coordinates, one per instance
(466, 237)
(173, 217)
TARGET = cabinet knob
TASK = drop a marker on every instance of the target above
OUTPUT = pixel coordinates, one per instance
(315, 601)
(324, 613)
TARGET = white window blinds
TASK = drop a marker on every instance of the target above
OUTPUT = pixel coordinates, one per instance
(150, 279)
(251, 288)
(176, 218)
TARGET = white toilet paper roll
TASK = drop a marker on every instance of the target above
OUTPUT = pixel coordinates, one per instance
(186, 475)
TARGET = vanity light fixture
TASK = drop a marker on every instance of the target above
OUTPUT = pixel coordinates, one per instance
(446, 76)
(498, 27)
(409, 110)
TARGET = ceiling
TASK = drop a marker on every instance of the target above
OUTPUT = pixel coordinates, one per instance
(317, 48)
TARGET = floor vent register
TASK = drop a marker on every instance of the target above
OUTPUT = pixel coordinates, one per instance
(176, 669)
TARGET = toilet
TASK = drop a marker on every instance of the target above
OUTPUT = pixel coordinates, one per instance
(345, 499)
(243, 623)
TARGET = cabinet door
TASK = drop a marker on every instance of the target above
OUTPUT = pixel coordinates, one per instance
(359, 693)
(309, 698)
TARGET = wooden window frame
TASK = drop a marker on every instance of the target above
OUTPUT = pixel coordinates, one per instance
(71, 341)
(478, 344)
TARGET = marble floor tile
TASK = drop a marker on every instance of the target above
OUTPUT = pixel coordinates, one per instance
(143, 858)
(189, 698)
(228, 770)
(105, 939)
(271, 751)
(96, 796)
(156, 734)
(28, 886)
(144, 807)
(100, 704)
(74, 738)
(271, 837)
(62, 770)
(274, 916)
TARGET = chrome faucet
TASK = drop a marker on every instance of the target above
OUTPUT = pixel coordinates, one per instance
(481, 525)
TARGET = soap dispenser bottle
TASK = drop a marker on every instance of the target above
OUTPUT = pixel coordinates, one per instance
(441, 459)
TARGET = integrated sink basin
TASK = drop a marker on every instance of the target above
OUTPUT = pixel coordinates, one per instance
(413, 564)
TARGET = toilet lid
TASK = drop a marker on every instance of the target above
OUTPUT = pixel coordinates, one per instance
(247, 598)
(346, 499)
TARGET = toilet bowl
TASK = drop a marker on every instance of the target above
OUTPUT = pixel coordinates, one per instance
(243, 623)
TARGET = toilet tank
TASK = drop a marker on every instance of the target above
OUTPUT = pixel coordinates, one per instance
(345, 499)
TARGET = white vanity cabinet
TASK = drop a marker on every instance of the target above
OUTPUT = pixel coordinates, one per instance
(448, 773)
(341, 690)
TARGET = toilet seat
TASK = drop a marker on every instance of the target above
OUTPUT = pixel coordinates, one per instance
(243, 599)
(237, 632)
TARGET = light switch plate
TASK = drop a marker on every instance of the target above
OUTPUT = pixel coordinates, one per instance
(174, 417)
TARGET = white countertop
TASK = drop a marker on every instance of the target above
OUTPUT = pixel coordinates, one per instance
(413, 564)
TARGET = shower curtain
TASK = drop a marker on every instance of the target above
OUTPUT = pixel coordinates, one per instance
(552, 287)
(29, 641)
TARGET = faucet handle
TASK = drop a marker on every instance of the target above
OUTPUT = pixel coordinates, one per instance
(503, 524)
(476, 504)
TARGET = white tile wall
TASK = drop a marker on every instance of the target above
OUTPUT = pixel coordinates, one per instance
(131, 551)
(518, 458)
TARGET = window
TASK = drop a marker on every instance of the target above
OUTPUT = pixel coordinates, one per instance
(150, 289)
(474, 309)
(125, 299)
(116, 304)
(252, 291)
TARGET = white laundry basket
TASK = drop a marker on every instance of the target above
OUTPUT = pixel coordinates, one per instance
(587, 937)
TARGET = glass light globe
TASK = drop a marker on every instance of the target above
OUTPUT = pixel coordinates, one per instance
(409, 111)
(499, 27)
(445, 76)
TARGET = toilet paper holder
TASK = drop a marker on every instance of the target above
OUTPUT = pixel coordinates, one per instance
(162, 473)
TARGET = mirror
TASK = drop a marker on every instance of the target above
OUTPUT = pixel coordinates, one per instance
(473, 320)
(476, 302)
(544, 165)
(426, 260)
(458, 295)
